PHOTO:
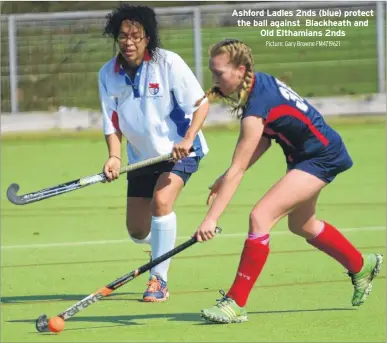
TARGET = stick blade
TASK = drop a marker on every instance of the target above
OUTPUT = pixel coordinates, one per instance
(42, 323)
(12, 196)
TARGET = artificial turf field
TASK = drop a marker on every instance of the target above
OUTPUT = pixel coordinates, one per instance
(57, 251)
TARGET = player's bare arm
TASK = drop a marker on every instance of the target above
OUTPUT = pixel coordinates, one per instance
(182, 149)
(263, 145)
(112, 165)
(249, 137)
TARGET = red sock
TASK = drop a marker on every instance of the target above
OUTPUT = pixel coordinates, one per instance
(253, 259)
(333, 243)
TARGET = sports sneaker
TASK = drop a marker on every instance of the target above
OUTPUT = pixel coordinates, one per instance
(157, 290)
(362, 281)
(226, 311)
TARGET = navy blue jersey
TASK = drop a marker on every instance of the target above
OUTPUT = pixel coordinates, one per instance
(289, 119)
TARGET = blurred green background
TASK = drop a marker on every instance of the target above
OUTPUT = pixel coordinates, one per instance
(58, 60)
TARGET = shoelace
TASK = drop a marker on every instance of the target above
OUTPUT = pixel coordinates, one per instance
(356, 281)
(224, 301)
(153, 285)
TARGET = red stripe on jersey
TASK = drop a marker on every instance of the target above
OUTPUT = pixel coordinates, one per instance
(286, 110)
(115, 121)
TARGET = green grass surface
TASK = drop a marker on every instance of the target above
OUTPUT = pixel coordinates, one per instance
(57, 65)
(301, 296)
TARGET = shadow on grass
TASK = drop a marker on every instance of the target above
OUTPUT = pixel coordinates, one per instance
(30, 299)
(289, 311)
(126, 320)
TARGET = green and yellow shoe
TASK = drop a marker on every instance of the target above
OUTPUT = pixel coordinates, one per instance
(226, 311)
(362, 281)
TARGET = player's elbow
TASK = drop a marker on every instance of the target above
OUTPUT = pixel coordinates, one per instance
(203, 109)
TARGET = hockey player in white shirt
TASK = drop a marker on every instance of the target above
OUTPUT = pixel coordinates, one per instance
(151, 98)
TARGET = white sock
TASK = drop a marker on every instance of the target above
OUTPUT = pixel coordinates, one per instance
(163, 239)
(146, 240)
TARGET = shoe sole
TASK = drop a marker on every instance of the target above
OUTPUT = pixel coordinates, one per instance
(374, 273)
(155, 300)
(220, 320)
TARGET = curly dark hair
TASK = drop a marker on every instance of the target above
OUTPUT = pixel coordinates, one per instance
(143, 15)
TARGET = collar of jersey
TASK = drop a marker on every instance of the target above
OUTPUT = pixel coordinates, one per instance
(252, 85)
(118, 69)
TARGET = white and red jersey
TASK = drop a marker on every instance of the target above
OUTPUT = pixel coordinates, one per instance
(155, 110)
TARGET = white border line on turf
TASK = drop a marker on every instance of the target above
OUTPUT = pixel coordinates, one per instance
(223, 235)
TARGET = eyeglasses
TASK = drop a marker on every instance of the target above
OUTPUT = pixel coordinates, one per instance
(135, 40)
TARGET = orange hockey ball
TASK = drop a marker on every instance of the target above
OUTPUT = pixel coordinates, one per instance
(56, 324)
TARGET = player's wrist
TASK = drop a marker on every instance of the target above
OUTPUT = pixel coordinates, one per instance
(189, 137)
(115, 156)
(211, 218)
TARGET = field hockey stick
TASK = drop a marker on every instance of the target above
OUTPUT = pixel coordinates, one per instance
(42, 323)
(76, 184)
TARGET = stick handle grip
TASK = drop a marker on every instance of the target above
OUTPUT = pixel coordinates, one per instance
(145, 163)
(148, 162)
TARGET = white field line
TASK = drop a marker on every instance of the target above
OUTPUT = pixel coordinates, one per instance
(364, 230)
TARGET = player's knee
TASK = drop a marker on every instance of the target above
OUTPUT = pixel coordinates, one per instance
(259, 222)
(161, 205)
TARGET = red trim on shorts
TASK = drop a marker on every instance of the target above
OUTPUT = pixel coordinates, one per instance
(286, 110)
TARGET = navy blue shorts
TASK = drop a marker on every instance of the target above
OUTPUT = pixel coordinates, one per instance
(325, 166)
(142, 182)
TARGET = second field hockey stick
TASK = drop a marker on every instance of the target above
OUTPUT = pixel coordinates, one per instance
(75, 184)
(42, 323)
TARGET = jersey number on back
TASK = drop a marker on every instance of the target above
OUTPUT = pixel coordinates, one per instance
(290, 94)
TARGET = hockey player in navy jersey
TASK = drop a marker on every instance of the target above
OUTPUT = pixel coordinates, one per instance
(315, 154)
